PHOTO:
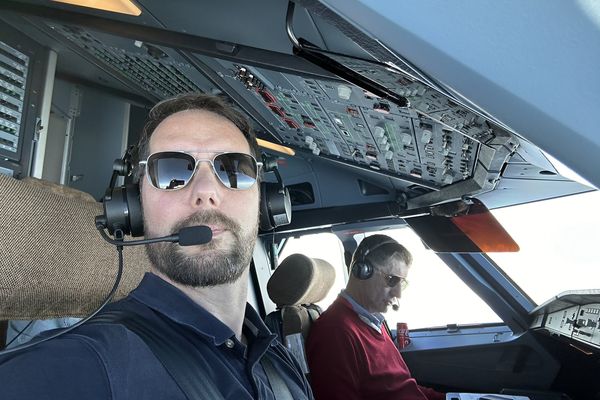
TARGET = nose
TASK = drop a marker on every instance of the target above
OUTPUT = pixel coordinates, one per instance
(205, 187)
(396, 291)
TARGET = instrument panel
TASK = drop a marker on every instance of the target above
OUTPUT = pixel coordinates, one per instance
(574, 315)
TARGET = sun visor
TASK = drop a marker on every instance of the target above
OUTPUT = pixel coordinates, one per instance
(463, 226)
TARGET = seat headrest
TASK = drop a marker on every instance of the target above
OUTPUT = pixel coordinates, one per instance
(300, 280)
(54, 263)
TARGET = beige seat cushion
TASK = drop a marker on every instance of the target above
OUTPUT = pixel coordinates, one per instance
(300, 280)
(53, 262)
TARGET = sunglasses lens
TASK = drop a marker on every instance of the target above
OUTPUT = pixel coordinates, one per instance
(236, 170)
(392, 280)
(170, 170)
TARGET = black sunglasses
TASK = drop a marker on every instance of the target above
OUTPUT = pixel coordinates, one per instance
(393, 280)
(173, 170)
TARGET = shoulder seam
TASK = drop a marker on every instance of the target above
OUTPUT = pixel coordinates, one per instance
(87, 342)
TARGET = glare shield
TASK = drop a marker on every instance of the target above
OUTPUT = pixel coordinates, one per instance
(462, 227)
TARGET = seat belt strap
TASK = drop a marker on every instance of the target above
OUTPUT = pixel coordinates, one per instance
(184, 363)
(313, 314)
(280, 389)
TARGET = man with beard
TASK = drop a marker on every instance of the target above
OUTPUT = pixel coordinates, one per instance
(198, 168)
(350, 352)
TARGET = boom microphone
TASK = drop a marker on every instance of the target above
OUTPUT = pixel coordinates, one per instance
(193, 235)
(190, 236)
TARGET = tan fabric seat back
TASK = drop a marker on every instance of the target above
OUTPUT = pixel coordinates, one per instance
(295, 286)
(53, 262)
(300, 280)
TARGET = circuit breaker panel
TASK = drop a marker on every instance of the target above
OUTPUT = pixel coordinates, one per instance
(155, 71)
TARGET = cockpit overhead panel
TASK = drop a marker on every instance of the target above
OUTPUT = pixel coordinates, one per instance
(433, 143)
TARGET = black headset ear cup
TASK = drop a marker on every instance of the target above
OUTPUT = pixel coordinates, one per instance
(123, 210)
(275, 206)
(362, 270)
(136, 219)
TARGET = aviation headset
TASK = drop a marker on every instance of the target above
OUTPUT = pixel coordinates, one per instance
(123, 210)
(361, 268)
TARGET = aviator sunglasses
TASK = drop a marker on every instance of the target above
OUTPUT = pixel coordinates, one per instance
(393, 280)
(173, 170)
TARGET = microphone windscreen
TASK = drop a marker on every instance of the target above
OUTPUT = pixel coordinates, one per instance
(194, 235)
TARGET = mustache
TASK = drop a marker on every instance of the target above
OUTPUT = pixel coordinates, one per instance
(209, 218)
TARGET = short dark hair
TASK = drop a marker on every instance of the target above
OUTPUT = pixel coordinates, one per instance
(383, 253)
(195, 101)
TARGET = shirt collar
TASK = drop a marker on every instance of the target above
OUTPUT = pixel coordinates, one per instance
(177, 306)
(374, 320)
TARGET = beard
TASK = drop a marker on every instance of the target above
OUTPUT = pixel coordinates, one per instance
(213, 266)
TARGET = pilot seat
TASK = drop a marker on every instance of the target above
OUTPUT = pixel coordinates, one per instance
(296, 285)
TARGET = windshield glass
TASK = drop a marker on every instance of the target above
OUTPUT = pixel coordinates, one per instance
(435, 296)
(558, 240)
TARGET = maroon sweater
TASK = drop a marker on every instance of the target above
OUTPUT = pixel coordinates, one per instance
(350, 360)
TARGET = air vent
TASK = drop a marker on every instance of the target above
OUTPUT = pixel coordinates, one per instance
(369, 189)
(301, 194)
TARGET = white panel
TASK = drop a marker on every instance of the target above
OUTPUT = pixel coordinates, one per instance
(588, 320)
(562, 321)
(45, 107)
(57, 133)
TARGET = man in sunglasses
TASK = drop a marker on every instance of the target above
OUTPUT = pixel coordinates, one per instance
(198, 167)
(350, 352)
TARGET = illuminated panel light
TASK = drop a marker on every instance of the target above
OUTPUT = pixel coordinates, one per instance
(117, 6)
(275, 147)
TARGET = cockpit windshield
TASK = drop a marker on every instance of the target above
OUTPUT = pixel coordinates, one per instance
(558, 241)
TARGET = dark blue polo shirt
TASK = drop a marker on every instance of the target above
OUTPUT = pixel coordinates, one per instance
(107, 361)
